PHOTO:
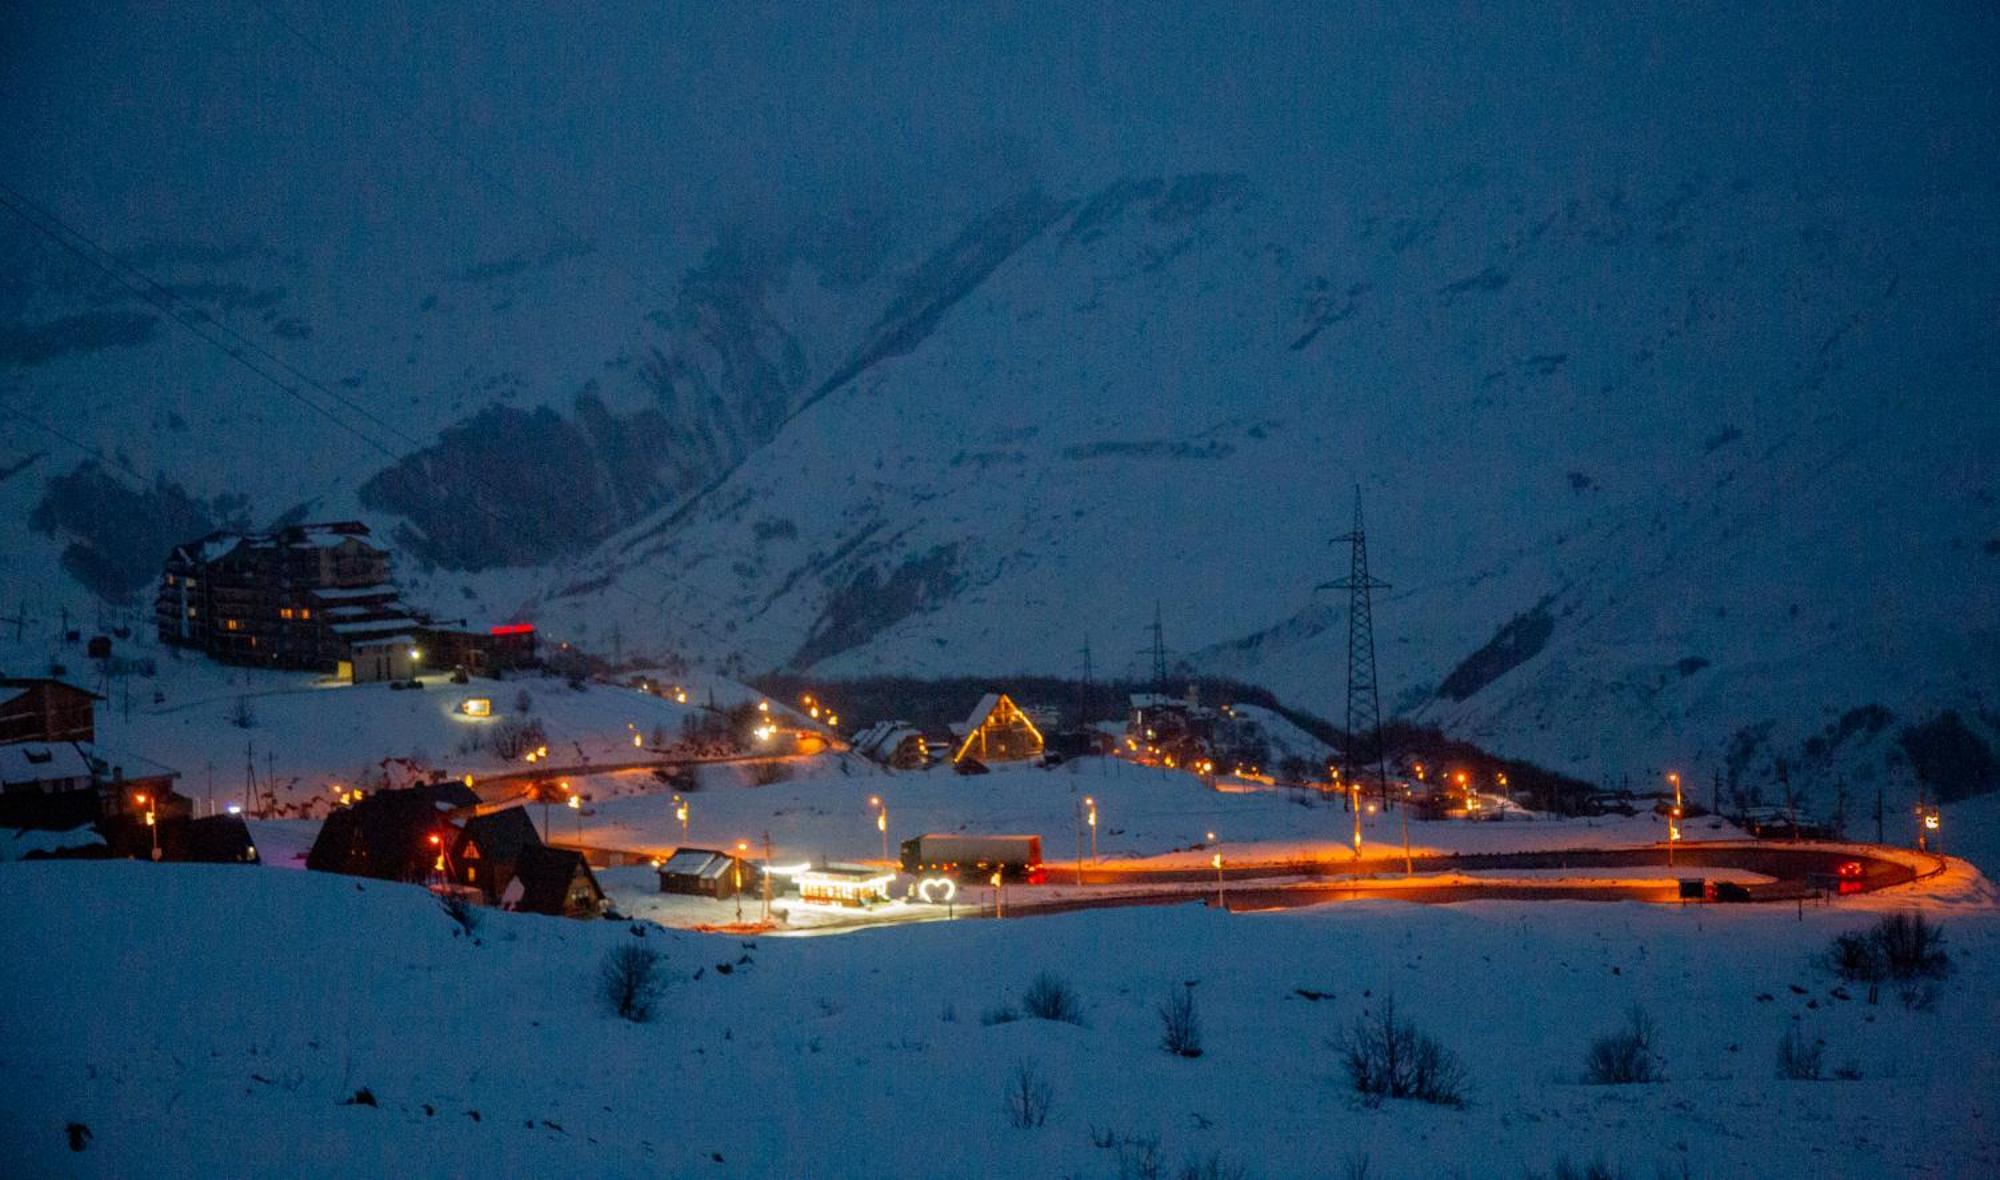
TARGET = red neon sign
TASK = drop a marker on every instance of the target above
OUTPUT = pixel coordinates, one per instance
(514, 629)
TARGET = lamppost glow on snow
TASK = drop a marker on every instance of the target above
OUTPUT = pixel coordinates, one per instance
(681, 814)
(152, 822)
(1092, 805)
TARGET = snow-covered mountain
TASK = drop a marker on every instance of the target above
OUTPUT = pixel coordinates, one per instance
(1662, 349)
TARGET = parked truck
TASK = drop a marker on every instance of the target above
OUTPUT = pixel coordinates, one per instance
(975, 858)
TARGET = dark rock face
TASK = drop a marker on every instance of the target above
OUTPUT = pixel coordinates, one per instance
(1515, 644)
(119, 536)
(870, 602)
(1950, 758)
(516, 487)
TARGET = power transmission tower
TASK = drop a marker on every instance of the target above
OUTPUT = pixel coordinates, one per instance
(1158, 650)
(1363, 752)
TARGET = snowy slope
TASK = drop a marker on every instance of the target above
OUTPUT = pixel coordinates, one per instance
(866, 1055)
(1661, 347)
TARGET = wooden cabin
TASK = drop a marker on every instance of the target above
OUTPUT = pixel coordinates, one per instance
(709, 872)
(38, 709)
(553, 881)
(997, 731)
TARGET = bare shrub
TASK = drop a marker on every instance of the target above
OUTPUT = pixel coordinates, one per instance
(1799, 1060)
(1624, 1057)
(1028, 1096)
(1211, 1167)
(1855, 958)
(1906, 947)
(1139, 1158)
(1050, 997)
(1912, 946)
(515, 736)
(1357, 1167)
(629, 980)
(1388, 1058)
(1564, 1169)
(241, 714)
(1180, 1023)
(766, 774)
(462, 912)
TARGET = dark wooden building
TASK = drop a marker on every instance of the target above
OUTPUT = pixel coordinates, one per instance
(400, 835)
(709, 872)
(480, 650)
(487, 852)
(554, 881)
(43, 710)
(293, 598)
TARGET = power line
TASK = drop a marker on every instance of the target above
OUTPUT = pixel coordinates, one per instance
(36, 218)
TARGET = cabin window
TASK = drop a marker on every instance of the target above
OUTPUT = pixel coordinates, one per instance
(471, 874)
(285, 612)
(230, 625)
(305, 612)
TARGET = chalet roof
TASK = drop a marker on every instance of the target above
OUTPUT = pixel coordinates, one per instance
(22, 763)
(545, 874)
(701, 863)
(386, 834)
(981, 710)
(27, 682)
(882, 739)
(498, 835)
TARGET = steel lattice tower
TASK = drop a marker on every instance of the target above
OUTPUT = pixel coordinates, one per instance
(1364, 750)
(1158, 651)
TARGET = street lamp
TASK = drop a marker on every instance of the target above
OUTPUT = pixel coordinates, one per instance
(152, 824)
(576, 805)
(1217, 861)
(681, 814)
(881, 821)
(736, 873)
(1092, 805)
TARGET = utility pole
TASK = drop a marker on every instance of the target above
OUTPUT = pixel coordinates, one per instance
(767, 877)
(249, 775)
(1363, 752)
(1083, 702)
(1878, 812)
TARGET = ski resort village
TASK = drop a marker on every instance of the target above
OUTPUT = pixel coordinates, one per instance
(1163, 591)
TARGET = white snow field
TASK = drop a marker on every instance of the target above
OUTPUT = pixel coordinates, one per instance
(202, 1020)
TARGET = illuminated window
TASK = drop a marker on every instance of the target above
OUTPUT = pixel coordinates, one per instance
(285, 612)
(305, 613)
(192, 612)
(170, 580)
(230, 625)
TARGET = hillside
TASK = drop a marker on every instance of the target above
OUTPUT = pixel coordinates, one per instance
(1660, 351)
(866, 1054)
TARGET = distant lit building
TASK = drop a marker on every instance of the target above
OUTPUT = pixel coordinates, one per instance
(297, 597)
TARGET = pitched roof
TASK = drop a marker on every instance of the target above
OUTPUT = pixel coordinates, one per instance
(40, 762)
(702, 863)
(498, 835)
(545, 874)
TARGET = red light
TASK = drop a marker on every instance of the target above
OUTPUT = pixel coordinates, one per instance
(513, 629)
(1850, 868)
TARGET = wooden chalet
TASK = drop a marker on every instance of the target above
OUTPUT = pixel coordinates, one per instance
(709, 872)
(397, 835)
(553, 881)
(38, 709)
(897, 745)
(486, 854)
(997, 731)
